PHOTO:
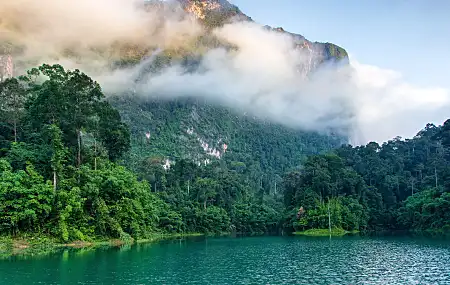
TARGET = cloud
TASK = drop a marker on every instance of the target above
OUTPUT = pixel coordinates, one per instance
(258, 71)
(87, 30)
(262, 76)
(389, 106)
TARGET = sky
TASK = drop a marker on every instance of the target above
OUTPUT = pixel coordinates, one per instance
(411, 37)
(397, 48)
(403, 46)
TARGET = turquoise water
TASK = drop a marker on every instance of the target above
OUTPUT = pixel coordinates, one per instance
(252, 260)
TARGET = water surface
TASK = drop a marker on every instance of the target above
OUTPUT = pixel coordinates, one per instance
(251, 260)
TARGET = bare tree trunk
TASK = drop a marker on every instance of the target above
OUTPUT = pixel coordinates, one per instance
(435, 176)
(95, 153)
(398, 186)
(329, 218)
(15, 130)
(79, 148)
(204, 204)
(54, 181)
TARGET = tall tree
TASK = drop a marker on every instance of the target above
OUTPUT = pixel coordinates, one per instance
(114, 134)
(59, 152)
(12, 100)
(68, 99)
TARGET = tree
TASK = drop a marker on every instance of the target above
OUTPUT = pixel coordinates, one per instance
(73, 102)
(59, 152)
(68, 99)
(114, 134)
(25, 199)
(206, 190)
(12, 100)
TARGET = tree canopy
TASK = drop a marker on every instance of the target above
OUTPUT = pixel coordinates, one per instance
(73, 169)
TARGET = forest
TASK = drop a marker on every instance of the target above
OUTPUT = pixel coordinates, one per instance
(71, 169)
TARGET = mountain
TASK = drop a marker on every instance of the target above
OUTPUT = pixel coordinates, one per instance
(201, 131)
(203, 9)
(218, 12)
(164, 131)
(200, 166)
(211, 168)
(215, 13)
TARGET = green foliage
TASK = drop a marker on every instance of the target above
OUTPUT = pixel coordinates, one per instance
(75, 103)
(268, 177)
(255, 218)
(342, 212)
(402, 184)
(113, 203)
(114, 134)
(245, 182)
(12, 96)
(336, 232)
(25, 199)
(334, 51)
(426, 210)
(88, 199)
(213, 220)
(257, 149)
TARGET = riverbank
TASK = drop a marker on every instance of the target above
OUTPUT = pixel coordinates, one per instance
(37, 246)
(231, 260)
(338, 232)
(335, 232)
(34, 246)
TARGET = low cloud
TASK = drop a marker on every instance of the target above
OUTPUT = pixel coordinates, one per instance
(262, 74)
(389, 106)
(86, 30)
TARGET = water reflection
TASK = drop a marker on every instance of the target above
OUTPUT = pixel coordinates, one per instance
(256, 260)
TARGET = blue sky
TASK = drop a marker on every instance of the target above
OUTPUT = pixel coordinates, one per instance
(409, 36)
(400, 50)
(399, 53)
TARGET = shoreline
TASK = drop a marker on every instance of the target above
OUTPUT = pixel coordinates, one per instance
(339, 232)
(35, 246)
(336, 232)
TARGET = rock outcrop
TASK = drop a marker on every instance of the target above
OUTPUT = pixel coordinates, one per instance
(217, 12)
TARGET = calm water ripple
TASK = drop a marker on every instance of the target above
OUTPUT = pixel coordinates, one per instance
(259, 260)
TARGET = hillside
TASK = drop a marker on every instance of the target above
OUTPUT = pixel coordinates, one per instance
(247, 156)
(197, 129)
(201, 132)
(81, 163)
(129, 162)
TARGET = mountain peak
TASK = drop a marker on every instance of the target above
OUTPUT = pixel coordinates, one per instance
(207, 4)
(218, 12)
(203, 9)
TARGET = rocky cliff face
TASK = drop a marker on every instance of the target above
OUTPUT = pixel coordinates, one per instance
(202, 132)
(6, 66)
(201, 8)
(317, 52)
(217, 12)
(6, 62)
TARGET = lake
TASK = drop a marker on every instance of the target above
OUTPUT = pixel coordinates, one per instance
(249, 260)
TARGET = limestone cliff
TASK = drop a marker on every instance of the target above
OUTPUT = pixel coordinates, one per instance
(6, 63)
(217, 12)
